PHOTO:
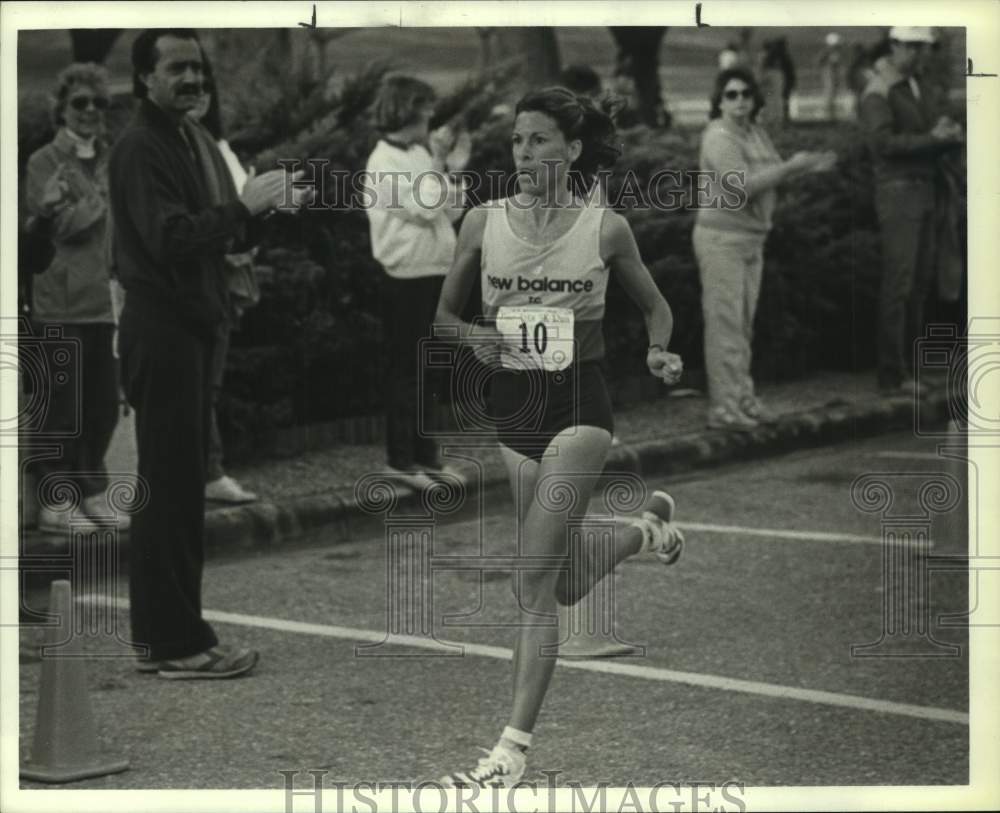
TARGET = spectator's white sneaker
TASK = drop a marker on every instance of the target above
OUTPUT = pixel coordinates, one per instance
(411, 477)
(58, 522)
(501, 768)
(755, 410)
(443, 473)
(730, 420)
(669, 543)
(97, 508)
(227, 490)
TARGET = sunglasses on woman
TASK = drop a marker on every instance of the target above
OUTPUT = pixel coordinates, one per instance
(746, 93)
(81, 103)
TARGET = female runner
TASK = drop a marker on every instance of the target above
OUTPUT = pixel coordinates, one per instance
(544, 256)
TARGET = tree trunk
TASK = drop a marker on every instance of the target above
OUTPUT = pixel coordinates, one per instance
(639, 58)
(532, 52)
(93, 44)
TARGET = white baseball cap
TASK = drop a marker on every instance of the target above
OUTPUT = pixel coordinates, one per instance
(902, 33)
(833, 38)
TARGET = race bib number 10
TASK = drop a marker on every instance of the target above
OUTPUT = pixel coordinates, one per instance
(539, 337)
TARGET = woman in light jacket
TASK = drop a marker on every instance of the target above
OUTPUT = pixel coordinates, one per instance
(414, 205)
(71, 299)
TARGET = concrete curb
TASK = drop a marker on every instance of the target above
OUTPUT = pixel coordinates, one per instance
(266, 525)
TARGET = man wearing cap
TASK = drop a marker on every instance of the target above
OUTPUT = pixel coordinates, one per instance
(908, 138)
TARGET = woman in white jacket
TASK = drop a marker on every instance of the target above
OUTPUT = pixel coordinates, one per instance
(413, 207)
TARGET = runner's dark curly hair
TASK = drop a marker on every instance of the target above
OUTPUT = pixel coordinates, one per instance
(578, 117)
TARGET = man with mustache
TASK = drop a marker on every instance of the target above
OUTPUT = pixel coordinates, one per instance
(172, 228)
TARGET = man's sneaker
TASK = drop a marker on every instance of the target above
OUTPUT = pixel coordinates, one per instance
(671, 542)
(412, 477)
(500, 768)
(214, 663)
(226, 489)
(730, 420)
(146, 666)
(756, 411)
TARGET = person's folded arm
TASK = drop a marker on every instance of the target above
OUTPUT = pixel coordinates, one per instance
(155, 202)
(876, 119)
(723, 155)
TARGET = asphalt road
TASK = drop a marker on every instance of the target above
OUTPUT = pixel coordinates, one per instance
(747, 674)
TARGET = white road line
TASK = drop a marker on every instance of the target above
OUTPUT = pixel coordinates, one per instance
(603, 667)
(774, 533)
(912, 456)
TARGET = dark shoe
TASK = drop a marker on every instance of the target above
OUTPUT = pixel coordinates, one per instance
(214, 663)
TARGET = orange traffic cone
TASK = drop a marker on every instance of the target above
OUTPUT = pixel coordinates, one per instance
(65, 745)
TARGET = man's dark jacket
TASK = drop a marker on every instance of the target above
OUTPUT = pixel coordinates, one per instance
(170, 240)
(898, 125)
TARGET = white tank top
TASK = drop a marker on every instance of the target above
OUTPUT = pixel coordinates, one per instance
(567, 273)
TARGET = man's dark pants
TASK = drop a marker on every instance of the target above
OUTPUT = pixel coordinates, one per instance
(166, 374)
(408, 312)
(905, 211)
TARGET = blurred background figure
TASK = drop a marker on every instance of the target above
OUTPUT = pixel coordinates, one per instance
(66, 188)
(831, 64)
(777, 80)
(860, 70)
(729, 243)
(623, 87)
(911, 137)
(243, 293)
(729, 56)
(414, 242)
(638, 65)
(582, 80)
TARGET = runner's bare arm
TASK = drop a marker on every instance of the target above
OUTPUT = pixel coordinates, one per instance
(462, 276)
(620, 252)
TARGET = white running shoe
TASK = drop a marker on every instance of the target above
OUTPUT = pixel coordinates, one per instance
(51, 521)
(411, 477)
(501, 768)
(670, 543)
(226, 489)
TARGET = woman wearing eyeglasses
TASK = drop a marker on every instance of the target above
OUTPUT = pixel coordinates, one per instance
(66, 186)
(733, 220)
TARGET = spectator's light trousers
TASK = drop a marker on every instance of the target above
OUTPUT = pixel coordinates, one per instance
(730, 264)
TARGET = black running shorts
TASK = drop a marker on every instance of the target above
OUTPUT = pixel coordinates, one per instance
(529, 408)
